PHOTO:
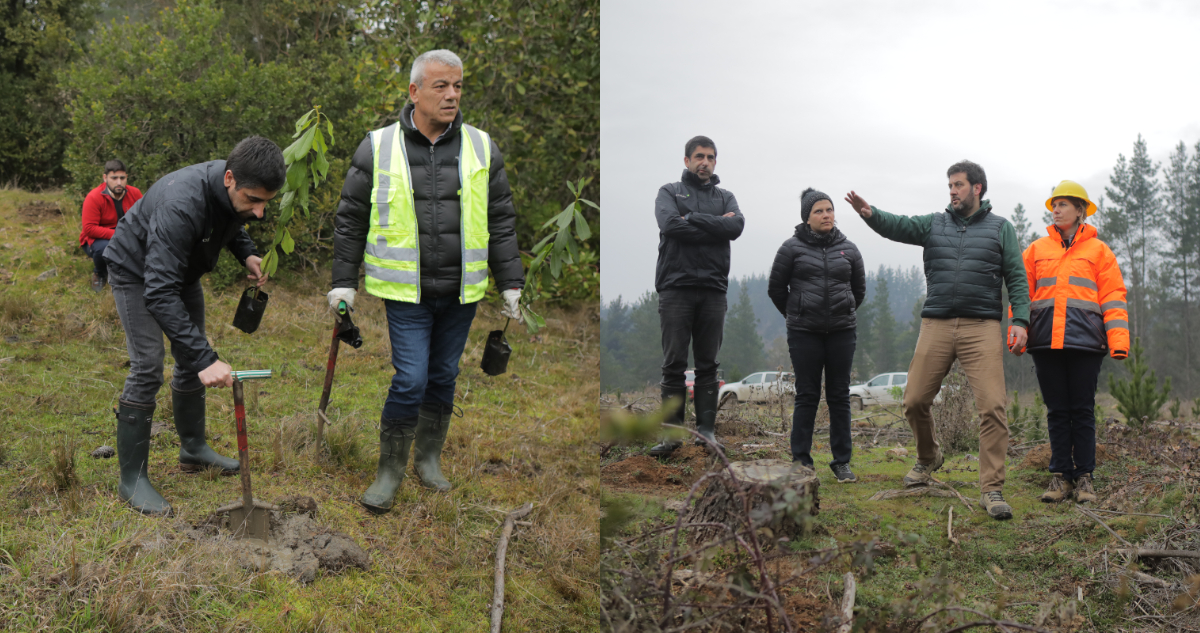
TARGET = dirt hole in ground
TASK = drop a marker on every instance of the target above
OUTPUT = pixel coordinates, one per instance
(647, 475)
(39, 211)
(299, 546)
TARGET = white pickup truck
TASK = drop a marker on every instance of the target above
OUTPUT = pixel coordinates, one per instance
(878, 390)
(763, 386)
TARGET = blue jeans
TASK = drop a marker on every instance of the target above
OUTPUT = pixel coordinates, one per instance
(427, 342)
(96, 252)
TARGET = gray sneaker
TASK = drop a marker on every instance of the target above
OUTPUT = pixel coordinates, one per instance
(994, 503)
(920, 474)
(843, 473)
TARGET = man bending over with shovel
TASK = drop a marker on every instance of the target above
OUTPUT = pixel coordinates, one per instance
(426, 204)
(159, 252)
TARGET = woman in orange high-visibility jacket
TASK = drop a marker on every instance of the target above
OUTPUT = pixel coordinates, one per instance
(1077, 316)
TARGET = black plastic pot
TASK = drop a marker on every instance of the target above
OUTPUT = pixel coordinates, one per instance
(250, 310)
(496, 353)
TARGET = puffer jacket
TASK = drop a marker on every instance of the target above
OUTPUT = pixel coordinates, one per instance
(694, 235)
(818, 281)
(1078, 295)
(435, 182)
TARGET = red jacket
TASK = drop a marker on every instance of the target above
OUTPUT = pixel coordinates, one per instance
(100, 213)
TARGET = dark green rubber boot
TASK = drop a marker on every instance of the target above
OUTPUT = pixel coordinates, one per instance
(668, 446)
(706, 415)
(133, 453)
(395, 437)
(433, 421)
(195, 454)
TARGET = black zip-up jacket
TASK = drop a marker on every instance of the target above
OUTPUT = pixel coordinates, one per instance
(435, 182)
(170, 239)
(693, 242)
(818, 281)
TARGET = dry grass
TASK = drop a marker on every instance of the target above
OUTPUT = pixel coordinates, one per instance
(522, 439)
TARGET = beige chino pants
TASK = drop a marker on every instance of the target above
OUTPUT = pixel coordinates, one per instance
(978, 345)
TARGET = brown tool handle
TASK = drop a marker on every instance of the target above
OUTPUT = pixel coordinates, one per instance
(333, 353)
(239, 412)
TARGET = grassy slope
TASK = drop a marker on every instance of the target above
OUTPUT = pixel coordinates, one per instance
(431, 558)
(1042, 555)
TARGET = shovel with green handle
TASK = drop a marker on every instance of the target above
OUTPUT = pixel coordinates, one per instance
(248, 518)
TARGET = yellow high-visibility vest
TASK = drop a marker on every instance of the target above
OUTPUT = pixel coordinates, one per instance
(393, 253)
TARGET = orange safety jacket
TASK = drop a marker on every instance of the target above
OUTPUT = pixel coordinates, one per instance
(1078, 295)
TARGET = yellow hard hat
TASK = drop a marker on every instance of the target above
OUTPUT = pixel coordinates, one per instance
(1072, 189)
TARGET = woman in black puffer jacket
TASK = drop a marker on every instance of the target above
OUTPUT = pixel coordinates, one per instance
(818, 282)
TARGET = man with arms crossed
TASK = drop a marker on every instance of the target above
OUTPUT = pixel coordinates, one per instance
(169, 240)
(696, 221)
(969, 253)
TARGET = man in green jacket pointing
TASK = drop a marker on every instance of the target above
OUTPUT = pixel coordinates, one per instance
(969, 253)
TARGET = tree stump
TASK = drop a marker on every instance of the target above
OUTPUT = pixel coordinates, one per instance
(767, 484)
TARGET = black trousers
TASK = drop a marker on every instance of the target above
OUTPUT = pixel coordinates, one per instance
(833, 354)
(1068, 379)
(695, 317)
(96, 252)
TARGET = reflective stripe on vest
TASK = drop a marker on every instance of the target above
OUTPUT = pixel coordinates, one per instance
(393, 258)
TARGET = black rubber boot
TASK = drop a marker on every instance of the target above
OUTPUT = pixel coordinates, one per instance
(194, 452)
(706, 415)
(433, 421)
(668, 446)
(133, 453)
(395, 438)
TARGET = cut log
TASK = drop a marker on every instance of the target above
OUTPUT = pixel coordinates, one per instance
(764, 483)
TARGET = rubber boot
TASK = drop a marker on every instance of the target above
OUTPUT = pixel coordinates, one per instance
(133, 453)
(706, 415)
(668, 446)
(395, 438)
(195, 454)
(433, 421)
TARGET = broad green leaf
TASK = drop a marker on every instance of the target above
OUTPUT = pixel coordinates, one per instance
(520, 89)
(329, 128)
(303, 195)
(303, 144)
(566, 216)
(300, 125)
(556, 264)
(571, 186)
(590, 204)
(322, 165)
(538, 248)
(289, 198)
(285, 216)
(296, 176)
(530, 324)
(572, 248)
(581, 227)
(288, 243)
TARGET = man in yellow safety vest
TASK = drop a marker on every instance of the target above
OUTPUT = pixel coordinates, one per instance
(427, 207)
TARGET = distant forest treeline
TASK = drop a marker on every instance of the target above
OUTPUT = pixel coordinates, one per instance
(1149, 214)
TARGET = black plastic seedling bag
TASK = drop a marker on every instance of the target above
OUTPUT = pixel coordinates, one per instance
(496, 353)
(250, 310)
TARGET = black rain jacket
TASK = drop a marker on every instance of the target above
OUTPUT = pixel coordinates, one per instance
(693, 242)
(435, 182)
(818, 281)
(170, 239)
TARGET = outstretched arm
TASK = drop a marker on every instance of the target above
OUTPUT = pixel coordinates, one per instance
(898, 228)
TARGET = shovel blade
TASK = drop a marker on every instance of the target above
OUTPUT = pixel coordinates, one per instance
(253, 523)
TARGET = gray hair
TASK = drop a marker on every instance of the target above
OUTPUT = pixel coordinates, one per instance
(441, 56)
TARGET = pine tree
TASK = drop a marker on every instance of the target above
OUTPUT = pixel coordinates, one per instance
(1139, 397)
(742, 350)
(1181, 230)
(1025, 233)
(1134, 195)
(884, 349)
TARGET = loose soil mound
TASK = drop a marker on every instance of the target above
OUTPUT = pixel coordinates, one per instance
(298, 545)
(39, 211)
(1038, 457)
(646, 475)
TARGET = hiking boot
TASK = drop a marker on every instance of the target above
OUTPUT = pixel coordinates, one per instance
(133, 453)
(195, 454)
(433, 421)
(97, 282)
(706, 416)
(1059, 490)
(843, 473)
(1084, 493)
(920, 473)
(395, 438)
(994, 503)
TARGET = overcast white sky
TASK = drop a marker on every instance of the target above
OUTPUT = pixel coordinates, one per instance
(880, 97)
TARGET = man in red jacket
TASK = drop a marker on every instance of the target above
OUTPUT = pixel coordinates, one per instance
(103, 207)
